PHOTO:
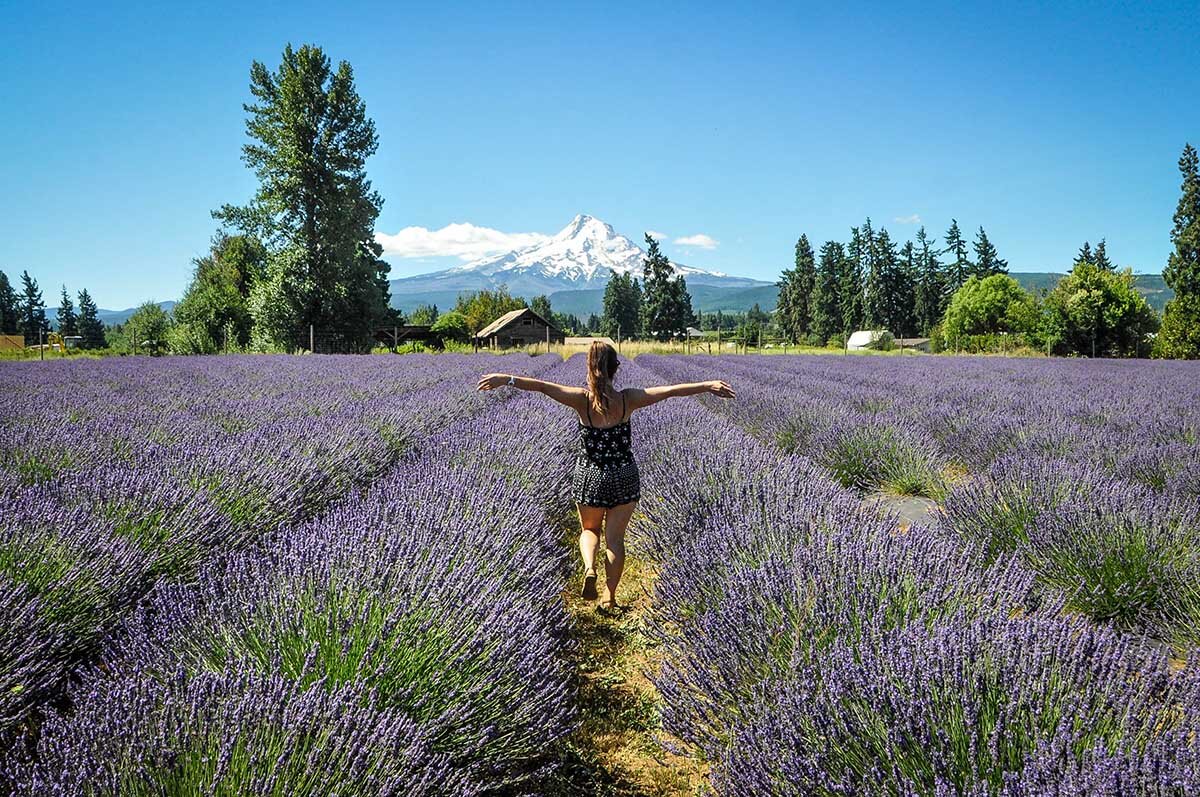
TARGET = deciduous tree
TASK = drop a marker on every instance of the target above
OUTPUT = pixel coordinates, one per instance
(314, 208)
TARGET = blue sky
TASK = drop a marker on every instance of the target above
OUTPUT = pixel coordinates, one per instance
(746, 123)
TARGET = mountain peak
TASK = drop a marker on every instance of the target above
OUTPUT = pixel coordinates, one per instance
(585, 226)
(582, 255)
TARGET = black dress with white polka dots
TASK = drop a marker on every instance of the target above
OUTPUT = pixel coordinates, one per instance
(605, 472)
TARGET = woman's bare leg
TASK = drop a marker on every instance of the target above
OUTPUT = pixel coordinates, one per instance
(591, 521)
(615, 522)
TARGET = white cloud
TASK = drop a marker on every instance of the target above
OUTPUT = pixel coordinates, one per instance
(699, 239)
(465, 241)
(656, 235)
(913, 219)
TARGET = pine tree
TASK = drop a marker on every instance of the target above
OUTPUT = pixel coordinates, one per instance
(1183, 265)
(987, 261)
(91, 329)
(850, 284)
(927, 303)
(622, 308)
(32, 310)
(10, 316)
(68, 321)
(826, 307)
(666, 304)
(1085, 254)
(875, 289)
(1180, 333)
(958, 266)
(1101, 257)
(904, 320)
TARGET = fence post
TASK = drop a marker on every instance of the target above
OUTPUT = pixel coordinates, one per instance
(42, 344)
(311, 349)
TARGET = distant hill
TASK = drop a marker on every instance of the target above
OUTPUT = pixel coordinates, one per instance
(110, 317)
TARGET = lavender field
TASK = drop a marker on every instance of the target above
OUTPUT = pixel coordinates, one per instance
(345, 575)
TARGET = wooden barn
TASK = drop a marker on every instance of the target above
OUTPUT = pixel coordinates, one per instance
(518, 328)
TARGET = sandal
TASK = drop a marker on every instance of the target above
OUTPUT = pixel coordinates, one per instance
(589, 585)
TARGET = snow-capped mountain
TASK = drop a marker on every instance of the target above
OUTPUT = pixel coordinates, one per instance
(583, 255)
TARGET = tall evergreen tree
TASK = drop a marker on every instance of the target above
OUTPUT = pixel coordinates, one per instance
(958, 265)
(314, 208)
(850, 283)
(987, 261)
(667, 306)
(1183, 264)
(878, 248)
(68, 321)
(10, 316)
(929, 293)
(794, 309)
(1101, 257)
(1180, 333)
(826, 304)
(91, 328)
(1085, 254)
(622, 308)
(32, 310)
(904, 306)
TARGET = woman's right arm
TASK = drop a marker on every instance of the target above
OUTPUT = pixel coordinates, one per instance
(573, 397)
(644, 397)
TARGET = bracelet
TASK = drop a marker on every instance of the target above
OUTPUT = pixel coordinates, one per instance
(512, 380)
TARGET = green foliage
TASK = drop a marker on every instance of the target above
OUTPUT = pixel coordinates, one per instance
(796, 288)
(1179, 337)
(424, 315)
(929, 296)
(314, 209)
(825, 303)
(68, 321)
(10, 316)
(988, 307)
(1095, 312)
(958, 267)
(1180, 334)
(987, 261)
(91, 329)
(452, 326)
(667, 305)
(147, 329)
(214, 313)
(622, 307)
(850, 282)
(32, 310)
(483, 307)
(1183, 264)
(541, 306)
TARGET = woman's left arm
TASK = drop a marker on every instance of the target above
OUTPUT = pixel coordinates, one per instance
(653, 395)
(573, 397)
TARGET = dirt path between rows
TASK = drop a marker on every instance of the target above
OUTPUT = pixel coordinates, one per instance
(616, 750)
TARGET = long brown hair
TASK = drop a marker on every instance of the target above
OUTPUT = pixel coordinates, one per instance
(602, 367)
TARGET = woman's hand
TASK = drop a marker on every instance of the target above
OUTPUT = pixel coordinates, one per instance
(722, 389)
(492, 381)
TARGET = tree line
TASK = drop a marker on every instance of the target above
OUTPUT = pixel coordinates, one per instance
(24, 314)
(972, 304)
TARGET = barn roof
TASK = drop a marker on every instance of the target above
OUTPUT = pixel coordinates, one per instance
(506, 319)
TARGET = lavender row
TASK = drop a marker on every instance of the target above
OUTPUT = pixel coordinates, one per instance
(78, 549)
(1140, 421)
(1105, 508)
(811, 648)
(408, 641)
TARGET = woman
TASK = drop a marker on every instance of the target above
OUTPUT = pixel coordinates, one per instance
(606, 485)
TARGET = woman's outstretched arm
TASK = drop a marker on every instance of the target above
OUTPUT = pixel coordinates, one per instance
(573, 397)
(644, 397)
